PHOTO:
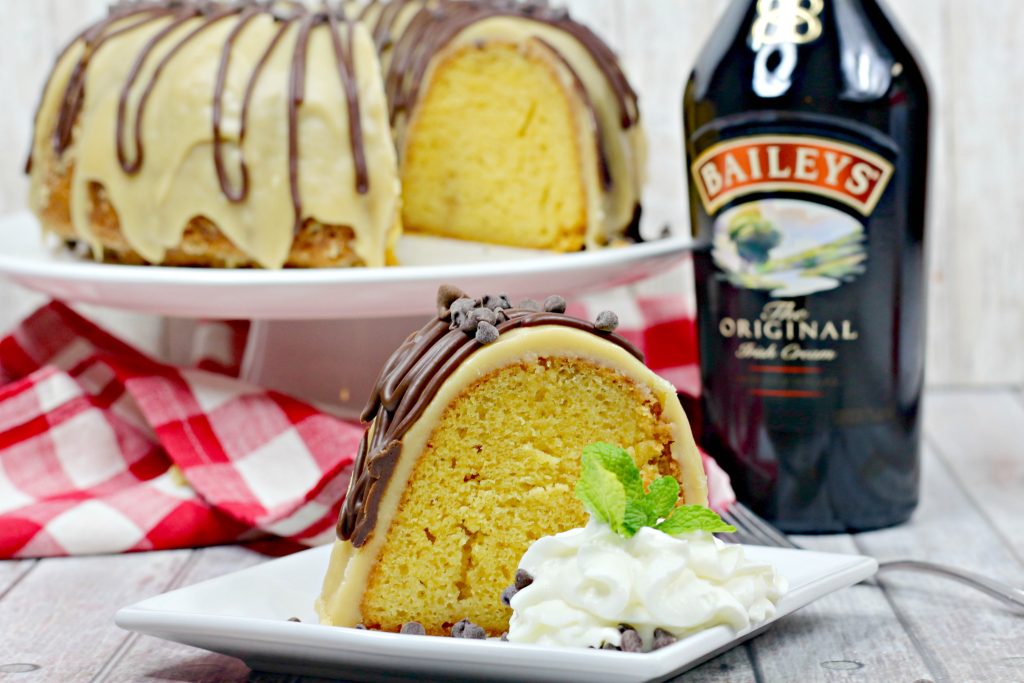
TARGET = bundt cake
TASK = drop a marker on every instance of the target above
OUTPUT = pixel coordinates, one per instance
(242, 133)
(472, 452)
(514, 123)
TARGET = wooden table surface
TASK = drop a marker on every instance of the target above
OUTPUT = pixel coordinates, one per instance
(56, 615)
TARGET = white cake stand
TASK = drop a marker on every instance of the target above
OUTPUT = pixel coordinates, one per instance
(322, 335)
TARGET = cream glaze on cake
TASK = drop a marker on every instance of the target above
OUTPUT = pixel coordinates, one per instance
(256, 116)
(416, 36)
(429, 372)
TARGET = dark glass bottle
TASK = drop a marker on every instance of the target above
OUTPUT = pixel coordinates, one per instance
(807, 142)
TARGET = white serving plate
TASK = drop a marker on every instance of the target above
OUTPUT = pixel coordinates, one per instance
(320, 294)
(245, 615)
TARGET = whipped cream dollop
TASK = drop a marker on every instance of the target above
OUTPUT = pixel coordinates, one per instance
(588, 581)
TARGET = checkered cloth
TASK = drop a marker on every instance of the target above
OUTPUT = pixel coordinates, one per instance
(105, 450)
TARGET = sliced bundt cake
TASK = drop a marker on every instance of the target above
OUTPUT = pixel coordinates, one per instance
(515, 124)
(478, 422)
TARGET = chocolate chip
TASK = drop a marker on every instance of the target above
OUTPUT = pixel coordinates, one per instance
(360, 627)
(609, 646)
(483, 315)
(295, 619)
(413, 628)
(631, 641)
(523, 579)
(662, 638)
(486, 333)
(530, 305)
(467, 629)
(507, 595)
(606, 321)
(504, 637)
(500, 316)
(460, 310)
(554, 304)
(446, 296)
(493, 301)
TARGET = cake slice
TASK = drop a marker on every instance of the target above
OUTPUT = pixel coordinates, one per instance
(473, 451)
(515, 124)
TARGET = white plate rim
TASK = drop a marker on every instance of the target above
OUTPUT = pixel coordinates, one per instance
(544, 661)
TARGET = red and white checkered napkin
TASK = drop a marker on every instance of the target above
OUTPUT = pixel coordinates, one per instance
(104, 450)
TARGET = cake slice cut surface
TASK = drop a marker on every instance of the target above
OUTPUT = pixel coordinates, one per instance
(473, 454)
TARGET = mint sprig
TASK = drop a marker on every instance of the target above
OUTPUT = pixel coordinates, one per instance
(611, 488)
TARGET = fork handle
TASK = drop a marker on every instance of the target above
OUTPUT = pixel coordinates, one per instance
(1006, 594)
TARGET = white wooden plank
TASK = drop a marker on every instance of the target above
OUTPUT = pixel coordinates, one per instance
(11, 572)
(985, 237)
(978, 436)
(854, 630)
(60, 617)
(963, 635)
(152, 658)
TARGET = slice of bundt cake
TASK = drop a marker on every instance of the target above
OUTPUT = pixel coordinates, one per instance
(515, 124)
(244, 133)
(473, 452)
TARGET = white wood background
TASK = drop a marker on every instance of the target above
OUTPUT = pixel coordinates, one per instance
(971, 49)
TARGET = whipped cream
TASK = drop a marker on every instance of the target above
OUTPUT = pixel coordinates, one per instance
(588, 581)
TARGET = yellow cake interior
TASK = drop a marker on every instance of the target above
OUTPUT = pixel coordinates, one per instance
(492, 152)
(498, 472)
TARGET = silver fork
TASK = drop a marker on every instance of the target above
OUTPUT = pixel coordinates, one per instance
(754, 530)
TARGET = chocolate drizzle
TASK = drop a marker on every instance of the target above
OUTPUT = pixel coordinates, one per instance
(127, 17)
(409, 381)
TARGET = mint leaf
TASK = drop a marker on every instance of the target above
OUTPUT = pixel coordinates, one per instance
(638, 514)
(601, 491)
(662, 497)
(619, 462)
(687, 518)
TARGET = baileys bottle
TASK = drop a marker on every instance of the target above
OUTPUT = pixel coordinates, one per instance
(806, 127)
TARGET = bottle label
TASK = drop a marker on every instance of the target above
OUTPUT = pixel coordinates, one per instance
(788, 217)
(794, 163)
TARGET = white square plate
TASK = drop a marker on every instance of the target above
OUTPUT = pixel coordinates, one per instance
(245, 615)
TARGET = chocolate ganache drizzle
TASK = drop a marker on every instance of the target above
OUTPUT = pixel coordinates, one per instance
(414, 374)
(289, 14)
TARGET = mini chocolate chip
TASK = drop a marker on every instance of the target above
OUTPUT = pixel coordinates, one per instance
(554, 304)
(484, 315)
(631, 641)
(413, 628)
(504, 637)
(446, 296)
(500, 316)
(523, 579)
(662, 638)
(507, 595)
(486, 333)
(606, 321)
(530, 305)
(467, 629)
(609, 646)
(460, 307)
(468, 323)
(360, 627)
(496, 301)
(295, 619)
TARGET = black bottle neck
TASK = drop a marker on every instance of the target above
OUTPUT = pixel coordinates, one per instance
(794, 49)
